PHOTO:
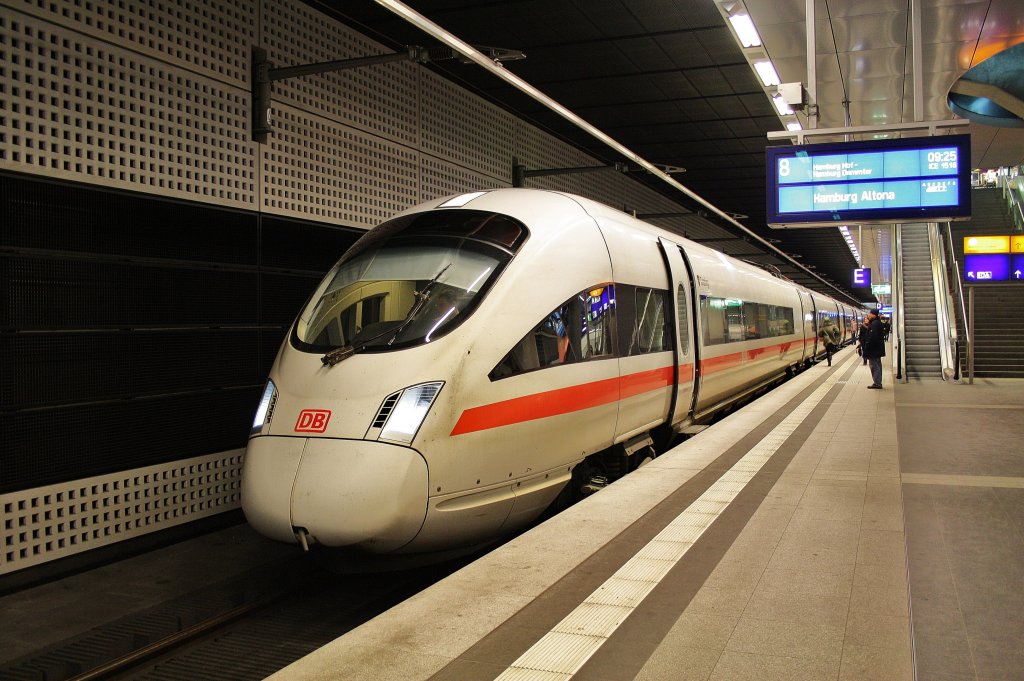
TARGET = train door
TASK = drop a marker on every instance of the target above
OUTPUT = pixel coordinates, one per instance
(684, 320)
(826, 312)
(807, 324)
(817, 315)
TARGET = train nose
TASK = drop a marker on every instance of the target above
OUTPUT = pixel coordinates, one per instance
(342, 492)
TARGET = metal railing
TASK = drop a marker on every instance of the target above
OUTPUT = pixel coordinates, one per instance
(1013, 192)
(954, 268)
(898, 327)
(945, 322)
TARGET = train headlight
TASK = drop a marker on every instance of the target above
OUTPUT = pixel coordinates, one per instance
(264, 412)
(408, 412)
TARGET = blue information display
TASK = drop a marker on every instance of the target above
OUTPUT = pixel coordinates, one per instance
(987, 267)
(905, 180)
(1017, 266)
(993, 258)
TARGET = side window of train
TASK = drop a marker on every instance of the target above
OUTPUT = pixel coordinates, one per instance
(683, 320)
(727, 320)
(722, 319)
(781, 320)
(651, 333)
(577, 330)
(767, 321)
(598, 321)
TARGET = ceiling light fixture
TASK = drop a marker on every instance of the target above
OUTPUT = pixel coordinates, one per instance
(766, 71)
(781, 106)
(744, 27)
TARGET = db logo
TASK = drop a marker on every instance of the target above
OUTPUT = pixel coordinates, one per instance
(312, 421)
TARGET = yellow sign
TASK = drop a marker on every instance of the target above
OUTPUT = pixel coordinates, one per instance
(1017, 244)
(987, 244)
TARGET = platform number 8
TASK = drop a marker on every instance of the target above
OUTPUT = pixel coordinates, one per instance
(783, 167)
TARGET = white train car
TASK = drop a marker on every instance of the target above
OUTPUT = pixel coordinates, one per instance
(475, 357)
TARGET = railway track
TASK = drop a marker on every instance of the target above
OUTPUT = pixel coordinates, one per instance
(245, 628)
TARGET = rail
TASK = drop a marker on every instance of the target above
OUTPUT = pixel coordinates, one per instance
(899, 328)
(954, 267)
(1013, 192)
(946, 323)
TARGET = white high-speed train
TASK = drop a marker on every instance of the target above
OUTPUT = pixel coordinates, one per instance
(469, 361)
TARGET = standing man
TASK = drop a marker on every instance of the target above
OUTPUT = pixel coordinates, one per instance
(862, 337)
(874, 349)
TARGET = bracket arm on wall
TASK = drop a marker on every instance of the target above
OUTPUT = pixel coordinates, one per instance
(264, 73)
(520, 173)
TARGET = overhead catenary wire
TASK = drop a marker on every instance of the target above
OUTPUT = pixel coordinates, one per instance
(496, 68)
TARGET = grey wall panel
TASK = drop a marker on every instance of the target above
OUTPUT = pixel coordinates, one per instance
(443, 178)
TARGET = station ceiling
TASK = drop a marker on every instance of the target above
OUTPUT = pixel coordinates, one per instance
(668, 80)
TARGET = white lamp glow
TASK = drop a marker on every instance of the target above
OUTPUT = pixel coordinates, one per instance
(781, 106)
(744, 28)
(766, 71)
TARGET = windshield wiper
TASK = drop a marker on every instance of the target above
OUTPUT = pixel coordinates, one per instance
(421, 299)
(336, 355)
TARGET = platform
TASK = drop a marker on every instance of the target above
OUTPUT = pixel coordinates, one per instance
(825, 531)
(771, 546)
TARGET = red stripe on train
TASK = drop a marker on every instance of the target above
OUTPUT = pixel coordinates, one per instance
(566, 400)
(595, 394)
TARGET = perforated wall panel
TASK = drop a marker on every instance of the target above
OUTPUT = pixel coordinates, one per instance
(41, 446)
(442, 178)
(316, 250)
(53, 293)
(78, 219)
(538, 150)
(74, 109)
(44, 369)
(206, 36)
(461, 128)
(55, 521)
(381, 99)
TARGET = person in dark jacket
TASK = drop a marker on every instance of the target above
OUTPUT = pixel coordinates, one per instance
(862, 337)
(874, 349)
(830, 336)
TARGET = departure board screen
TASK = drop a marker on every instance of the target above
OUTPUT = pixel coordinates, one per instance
(884, 181)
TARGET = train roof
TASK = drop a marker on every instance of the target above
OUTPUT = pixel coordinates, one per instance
(510, 201)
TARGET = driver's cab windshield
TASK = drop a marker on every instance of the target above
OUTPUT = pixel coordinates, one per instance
(409, 281)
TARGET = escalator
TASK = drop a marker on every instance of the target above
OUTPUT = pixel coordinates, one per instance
(921, 324)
